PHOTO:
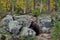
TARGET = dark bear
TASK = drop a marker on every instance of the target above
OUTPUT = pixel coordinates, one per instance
(35, 27)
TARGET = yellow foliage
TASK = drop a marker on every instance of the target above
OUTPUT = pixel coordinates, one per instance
(5, 5)
(20, 4)
(51, 3)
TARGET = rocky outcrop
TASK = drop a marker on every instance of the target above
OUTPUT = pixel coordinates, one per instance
(45, 22)
(27, 32)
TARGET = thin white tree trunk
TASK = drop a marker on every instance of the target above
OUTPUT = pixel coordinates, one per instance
(12, 7)
(41, 7)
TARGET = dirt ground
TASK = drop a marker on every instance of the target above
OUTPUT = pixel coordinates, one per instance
(44, 36)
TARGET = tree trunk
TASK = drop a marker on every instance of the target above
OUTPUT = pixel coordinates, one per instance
(41, 6)
(48, 6)
(34, 4)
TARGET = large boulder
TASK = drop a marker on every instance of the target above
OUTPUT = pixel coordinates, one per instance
(13, 27)
(45, 21)
(27, 32)
(24, 20)
(44, 29)
(7, 19)
(22, 16)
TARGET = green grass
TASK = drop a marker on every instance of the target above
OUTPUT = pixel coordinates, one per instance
(56, 31)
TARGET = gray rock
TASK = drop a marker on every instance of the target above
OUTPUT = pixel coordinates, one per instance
(24, 20)
(44, 29)
(22, 16)
(21, 12)
(27, 32)
(13, 27)
(45, 21)
(7, 19)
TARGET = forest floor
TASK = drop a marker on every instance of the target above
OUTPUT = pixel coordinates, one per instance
(44, 36)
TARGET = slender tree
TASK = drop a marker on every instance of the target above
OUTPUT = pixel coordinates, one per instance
(12, 4)
(49, 6)
(34, 4)
(41, 6)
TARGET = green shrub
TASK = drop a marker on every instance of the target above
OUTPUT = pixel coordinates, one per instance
(36, 12)
(56, 31)
(44, 11)
(17, 10)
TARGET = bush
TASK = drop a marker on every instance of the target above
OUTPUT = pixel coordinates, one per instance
(36, 12)
(17, 10)
(56, 31)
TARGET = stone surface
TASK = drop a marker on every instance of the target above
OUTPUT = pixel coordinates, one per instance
(22, 16)
(24, 20)
(45, 21)
(27, 32)
(7, 19)
(13, 27)
(44, 29)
